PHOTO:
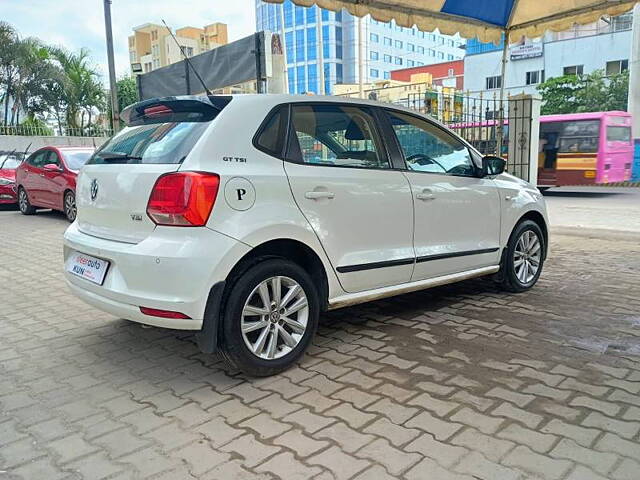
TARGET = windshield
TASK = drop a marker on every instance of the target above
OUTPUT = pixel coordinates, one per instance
(155, 143)
(10, 163)
(618, 134)
(75, 160)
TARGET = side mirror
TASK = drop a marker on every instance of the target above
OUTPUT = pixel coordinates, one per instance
(492, 165)
(52, 167)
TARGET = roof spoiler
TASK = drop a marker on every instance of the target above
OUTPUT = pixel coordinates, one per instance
(185, 108)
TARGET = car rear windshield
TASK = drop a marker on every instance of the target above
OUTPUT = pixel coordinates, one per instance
(168, 142)
(75, 160)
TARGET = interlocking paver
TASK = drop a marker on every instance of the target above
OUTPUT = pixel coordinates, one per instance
(598, 461)
(341, 465)
(526, 459)
(492, 448)
(456, 383)
(300, 443)
(394, 460)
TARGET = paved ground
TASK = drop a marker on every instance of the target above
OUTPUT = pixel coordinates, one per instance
(460, 382)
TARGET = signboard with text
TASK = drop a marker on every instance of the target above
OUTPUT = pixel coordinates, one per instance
(526, 50)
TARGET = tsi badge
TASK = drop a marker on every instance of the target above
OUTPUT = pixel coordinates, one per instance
(239, 193)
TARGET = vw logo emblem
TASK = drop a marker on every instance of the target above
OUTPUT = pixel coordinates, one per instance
(94, 189)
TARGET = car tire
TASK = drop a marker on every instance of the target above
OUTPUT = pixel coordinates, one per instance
(23, 203)
(255, 316)
(69, 206)
(523, 258)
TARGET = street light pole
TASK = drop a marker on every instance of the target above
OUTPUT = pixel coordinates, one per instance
(115, 113)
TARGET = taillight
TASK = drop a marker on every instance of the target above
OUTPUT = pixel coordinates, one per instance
(183, 199)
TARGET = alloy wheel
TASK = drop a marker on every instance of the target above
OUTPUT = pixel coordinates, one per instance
(527, 256)
(70, 209)
(274, 317)
(23, 201)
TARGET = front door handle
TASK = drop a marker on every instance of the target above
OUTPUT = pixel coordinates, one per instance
(316, 195)
(426, 194)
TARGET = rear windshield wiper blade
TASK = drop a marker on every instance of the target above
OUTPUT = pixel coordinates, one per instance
(118, 157)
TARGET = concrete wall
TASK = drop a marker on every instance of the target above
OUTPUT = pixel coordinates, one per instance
(20, 143)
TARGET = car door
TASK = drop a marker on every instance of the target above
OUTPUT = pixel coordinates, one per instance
(32, 180)
(457, 213)
(53, 181)
(357, 204)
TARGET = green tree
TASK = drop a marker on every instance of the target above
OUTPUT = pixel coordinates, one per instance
(584, 93)
(8, 57)
(82, 93)
(127, 92)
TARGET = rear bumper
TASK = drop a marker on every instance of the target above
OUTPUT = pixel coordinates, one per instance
(172, 269)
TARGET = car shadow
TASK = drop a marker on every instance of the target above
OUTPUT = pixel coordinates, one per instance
(552, 193)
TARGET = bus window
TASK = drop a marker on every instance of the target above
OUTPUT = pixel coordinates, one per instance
(618, 134)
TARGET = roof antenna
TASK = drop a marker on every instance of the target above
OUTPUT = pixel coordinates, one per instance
(208, 92)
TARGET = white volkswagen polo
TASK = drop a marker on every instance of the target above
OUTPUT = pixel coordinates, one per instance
(244, 217)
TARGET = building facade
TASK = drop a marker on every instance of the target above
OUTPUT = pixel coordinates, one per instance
(445, 74)
(151, 45)
(385, 46)
(605, 45)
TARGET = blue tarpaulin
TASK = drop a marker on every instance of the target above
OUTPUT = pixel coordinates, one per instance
(484, 19)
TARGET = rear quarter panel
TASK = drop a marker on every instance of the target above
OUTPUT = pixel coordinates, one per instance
(267, 210)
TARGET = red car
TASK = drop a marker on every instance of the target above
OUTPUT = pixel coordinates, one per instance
(47, 179)
(8, 165)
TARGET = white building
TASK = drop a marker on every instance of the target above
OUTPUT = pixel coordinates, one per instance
(605, 45)
(385, 46)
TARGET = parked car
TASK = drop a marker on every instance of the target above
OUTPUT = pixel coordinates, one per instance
(8, 164)
(244, 217)
(47, 179)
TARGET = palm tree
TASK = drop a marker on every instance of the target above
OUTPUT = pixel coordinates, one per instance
(82, 90)
(8, 55)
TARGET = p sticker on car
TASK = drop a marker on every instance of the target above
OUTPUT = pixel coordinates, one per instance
(239, 193)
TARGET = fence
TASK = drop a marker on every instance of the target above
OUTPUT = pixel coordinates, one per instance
(38, 131)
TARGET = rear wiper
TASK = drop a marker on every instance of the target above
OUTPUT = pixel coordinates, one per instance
(118, 157)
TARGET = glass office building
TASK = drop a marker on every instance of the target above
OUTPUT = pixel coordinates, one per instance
(386, 46)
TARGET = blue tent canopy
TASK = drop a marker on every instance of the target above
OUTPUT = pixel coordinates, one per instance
(487, 20)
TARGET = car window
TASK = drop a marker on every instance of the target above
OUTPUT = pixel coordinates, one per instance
(39, 159)
(75, 160)
(428, 148)
(271, 135)
(337, 135)
(52, 158)
(150, 143)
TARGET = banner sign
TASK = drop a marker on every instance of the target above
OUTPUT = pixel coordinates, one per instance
(527, 50)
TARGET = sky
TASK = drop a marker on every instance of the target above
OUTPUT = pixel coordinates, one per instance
(75, 24)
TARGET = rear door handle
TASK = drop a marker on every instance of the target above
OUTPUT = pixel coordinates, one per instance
(426, 194)
(316, 195)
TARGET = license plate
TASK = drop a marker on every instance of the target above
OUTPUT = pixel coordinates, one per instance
(87, 267)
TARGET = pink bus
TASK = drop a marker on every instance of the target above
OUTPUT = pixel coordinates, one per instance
(574, 149)
(584, 148)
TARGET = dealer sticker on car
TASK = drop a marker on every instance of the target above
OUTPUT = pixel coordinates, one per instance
(88, 267)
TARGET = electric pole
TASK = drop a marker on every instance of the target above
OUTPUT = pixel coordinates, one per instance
(115, 111)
